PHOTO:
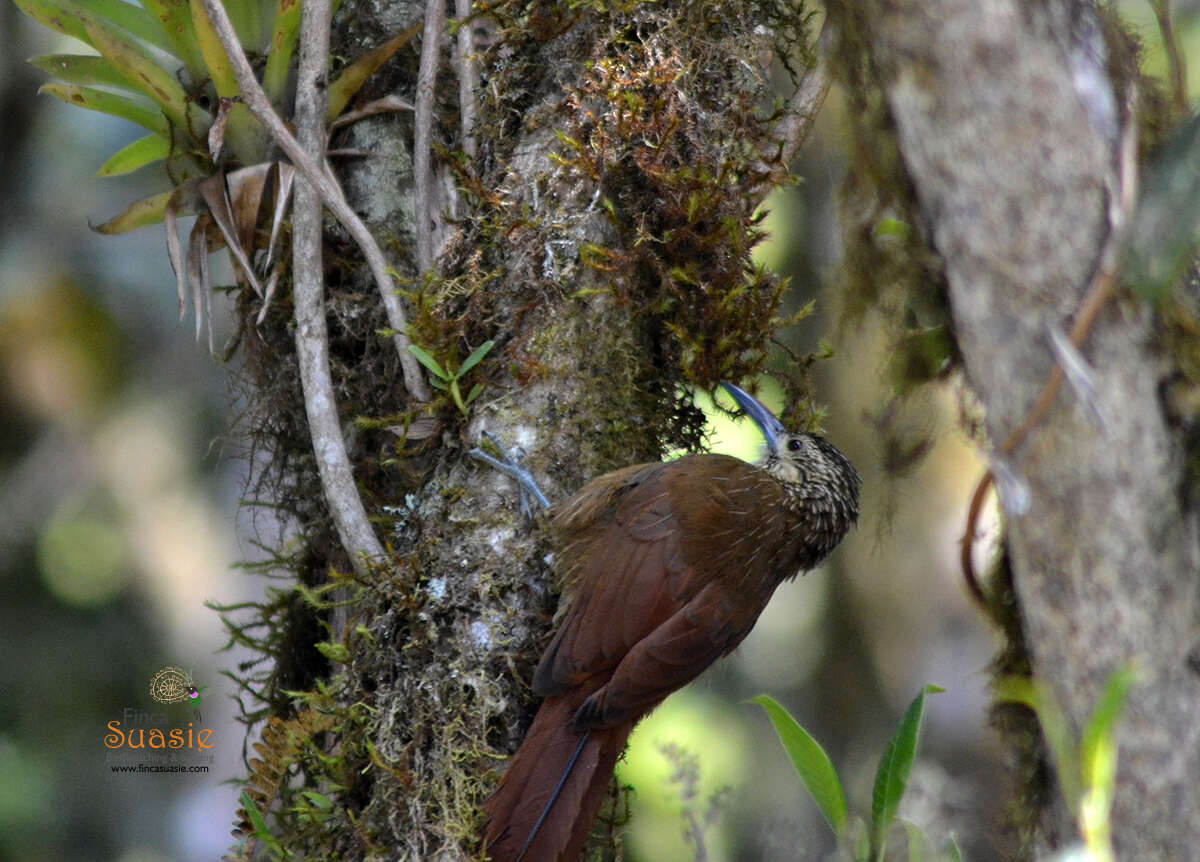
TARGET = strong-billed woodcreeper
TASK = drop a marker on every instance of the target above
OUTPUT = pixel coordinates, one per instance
(665, 568)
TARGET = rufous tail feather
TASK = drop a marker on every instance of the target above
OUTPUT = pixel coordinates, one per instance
(555, 784)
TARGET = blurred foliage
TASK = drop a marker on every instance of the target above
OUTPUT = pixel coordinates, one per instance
(1165, 234)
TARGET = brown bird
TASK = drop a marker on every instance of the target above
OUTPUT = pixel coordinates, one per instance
(665, 568)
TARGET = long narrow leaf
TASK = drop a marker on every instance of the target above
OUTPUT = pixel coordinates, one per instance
(429, 362)
(140, 153)
(894, 767)
(285, 176)
(1054, 727)
(136, 64)
(219, 67)
(132, 19)
(247, 23)
(66, 16)
(350, 81)
(197, 272)
(1101, 727)
(281, 49)
(473, 360)
(82, 69)
(175, 16)
(919, 849)
(147, 116)
(140, 213)
(811, 762)
(175, 249)
(216, 196)
(1098, 760)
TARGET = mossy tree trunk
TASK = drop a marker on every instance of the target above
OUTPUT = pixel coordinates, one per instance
(1008, 120)
(601, 239)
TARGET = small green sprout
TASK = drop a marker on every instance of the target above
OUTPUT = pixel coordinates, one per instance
(1087, 770)
(821, 780)
(448, 381)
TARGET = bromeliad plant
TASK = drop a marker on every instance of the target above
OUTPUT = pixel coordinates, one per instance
(161, 65)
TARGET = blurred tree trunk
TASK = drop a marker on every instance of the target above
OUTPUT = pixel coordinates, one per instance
(601, 239)
(1008, 117)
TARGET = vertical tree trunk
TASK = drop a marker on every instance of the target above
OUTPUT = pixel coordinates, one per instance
(1008, 117)
(601, 239)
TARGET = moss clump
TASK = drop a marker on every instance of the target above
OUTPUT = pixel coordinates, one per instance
(673, 123)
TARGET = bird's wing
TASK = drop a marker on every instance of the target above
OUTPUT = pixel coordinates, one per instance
(640, 601)
(672, 655)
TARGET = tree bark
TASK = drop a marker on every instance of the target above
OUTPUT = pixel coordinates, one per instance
(601, 239)
(1008, 116)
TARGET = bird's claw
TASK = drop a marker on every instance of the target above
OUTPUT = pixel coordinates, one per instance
(510, 465)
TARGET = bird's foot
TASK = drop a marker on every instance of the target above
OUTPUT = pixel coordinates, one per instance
(510, 465)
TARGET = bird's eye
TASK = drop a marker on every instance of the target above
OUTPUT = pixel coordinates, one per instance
(793, 445)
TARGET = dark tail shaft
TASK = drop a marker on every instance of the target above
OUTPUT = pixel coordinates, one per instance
(544, 807)
(554, 796)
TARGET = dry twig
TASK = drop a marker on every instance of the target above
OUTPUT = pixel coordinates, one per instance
(312, 342)
(435, 21)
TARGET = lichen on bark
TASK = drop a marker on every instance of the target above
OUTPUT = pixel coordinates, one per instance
(602, 240)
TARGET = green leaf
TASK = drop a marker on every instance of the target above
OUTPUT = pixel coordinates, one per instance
(141, 152)
(1101, 728)
(60, 15)
(811, 762)
(244, 135)
(456, 394)
(350, 81)
(144, 115)
(952, 853)
(475, 390)
(893, 227)
(261, 832)
(215, 58)
(247, 23)
(919, 848)
(334, 652)
(317, 799)
(148, 210)
(136, 64)
(175, 16)
(475, 357)
(1017, 689)
(894, 767)
(858, 839)
(428, 361)
(281, 49)
(132, 19)
(1166, 225)
(66, 16)
(82, 69)
(1098, 760)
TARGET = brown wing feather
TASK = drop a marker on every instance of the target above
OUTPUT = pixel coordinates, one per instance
(631, 547)
(672, 655)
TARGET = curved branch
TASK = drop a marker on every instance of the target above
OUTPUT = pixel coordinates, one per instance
(466, 78)
(312, 343)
